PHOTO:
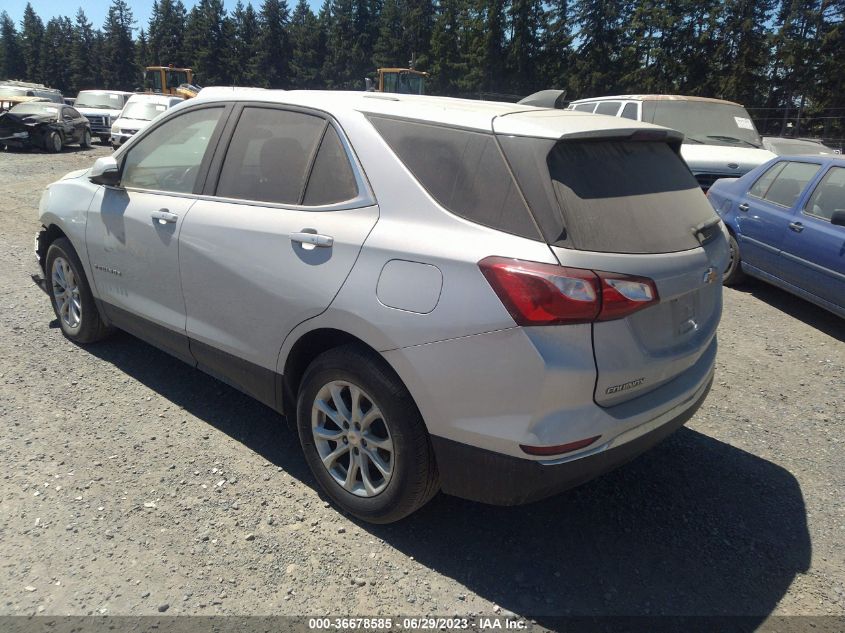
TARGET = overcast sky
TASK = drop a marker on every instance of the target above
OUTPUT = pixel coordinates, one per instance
(96, 10)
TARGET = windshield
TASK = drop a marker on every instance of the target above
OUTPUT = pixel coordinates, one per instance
(800, 148)
(707, 122)
(404, 83)
(35, 108)
(142, 110)
(110, 101)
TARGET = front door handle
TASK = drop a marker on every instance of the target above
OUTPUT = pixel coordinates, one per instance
(164, 216)
(313, 239)
(743, 206)
(796, 226)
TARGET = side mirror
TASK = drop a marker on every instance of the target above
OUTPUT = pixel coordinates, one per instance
(368, 85)
(105, 172)
(838, 217)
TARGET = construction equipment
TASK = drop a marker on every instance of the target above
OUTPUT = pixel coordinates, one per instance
(167, 79)
(406, 81)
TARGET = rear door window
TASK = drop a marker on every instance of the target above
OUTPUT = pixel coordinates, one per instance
(608, 107)
(829, 195)
(463, 170)
(790, 182)
(269, 155)
(585, 107)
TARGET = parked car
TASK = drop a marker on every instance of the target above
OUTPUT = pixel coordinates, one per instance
(11, 91)
(101, 107)
(720, 140)
(139, 110)
(787, 226)
(429, 315)
(797, 146)
(45, 125)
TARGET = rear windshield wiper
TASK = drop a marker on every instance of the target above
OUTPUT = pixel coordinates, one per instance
(733, 139)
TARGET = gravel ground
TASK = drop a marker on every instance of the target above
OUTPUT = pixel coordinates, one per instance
(132, 484)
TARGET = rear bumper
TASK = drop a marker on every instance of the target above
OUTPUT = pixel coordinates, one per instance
(489, 477)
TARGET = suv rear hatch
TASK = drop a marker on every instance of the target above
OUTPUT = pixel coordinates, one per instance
(621, 200)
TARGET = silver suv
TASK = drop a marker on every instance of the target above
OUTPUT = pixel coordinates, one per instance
(493, 300)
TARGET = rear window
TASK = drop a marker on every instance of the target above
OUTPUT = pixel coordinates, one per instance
(463, 170)
(610, 195)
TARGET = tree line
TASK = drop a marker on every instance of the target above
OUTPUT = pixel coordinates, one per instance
(768, 54)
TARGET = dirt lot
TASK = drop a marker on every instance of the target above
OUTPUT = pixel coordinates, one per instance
(132, 484)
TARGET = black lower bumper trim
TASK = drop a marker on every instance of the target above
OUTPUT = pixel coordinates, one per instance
(489, 477)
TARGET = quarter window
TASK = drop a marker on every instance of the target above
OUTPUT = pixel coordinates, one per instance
(169, 157)
(463, 170)
(761, 186)
(790, 182)
(332, 179)
(269, 156)
(829, 195)
(585, 107)
(630, 111)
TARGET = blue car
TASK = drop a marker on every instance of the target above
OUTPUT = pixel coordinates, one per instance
(786, 221)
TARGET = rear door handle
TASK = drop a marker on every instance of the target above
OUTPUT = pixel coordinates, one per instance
(743, 206)
(796, 226)
(314, 239)
(164, 216)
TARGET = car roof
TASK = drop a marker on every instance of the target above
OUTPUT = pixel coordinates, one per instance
(160, 99)
(102, 91)
(505, 118)
(657, 97)
(821, 159)
(791, 139)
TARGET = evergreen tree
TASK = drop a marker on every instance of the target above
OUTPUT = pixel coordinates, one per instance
(82, 61)
(11, 60)
(417, 28)
(245, 45)
(208, 39)
(142, 52)
(598, 68)
(32, 34)
(118, 52)
(447, 64)
(524, 47)
(274, 46)
(556, 59)
(57, 40)
(743, 55)
(306, 63)
(390, 46)
(342, 52)
(166, 33)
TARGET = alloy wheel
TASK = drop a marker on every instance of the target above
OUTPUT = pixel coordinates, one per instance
(66, 293)
(352, 438)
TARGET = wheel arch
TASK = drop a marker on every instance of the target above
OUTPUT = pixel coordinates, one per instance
(308, 347)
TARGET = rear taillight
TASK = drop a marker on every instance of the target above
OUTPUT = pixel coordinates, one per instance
(545, 294)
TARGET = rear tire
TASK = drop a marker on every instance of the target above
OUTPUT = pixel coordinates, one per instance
(733, 274)
(71, 296)
(371, 453)
(86, 140)
(54, 143)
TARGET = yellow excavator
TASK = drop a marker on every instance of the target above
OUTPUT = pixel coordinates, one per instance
(406, 81)
(169, 80)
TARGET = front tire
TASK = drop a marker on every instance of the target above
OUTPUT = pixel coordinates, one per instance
(71, 295)
(54, 142)
(363, 436)
(733, 274)
(104, 140)
(86, 140)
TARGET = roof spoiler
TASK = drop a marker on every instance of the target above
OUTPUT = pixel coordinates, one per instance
(546, 99)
